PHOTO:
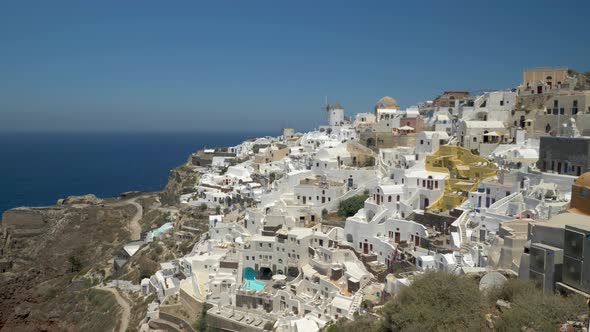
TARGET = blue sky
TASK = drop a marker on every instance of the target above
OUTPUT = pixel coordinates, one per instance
(255, 65)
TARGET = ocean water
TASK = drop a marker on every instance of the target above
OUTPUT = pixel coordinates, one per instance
(37, 169)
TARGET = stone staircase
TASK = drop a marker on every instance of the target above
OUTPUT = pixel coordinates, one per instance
(357, 299)
(459, 259)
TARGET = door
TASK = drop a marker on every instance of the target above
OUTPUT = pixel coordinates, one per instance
(304, 199)
(397, 237)
(416, 240)
(365, 248)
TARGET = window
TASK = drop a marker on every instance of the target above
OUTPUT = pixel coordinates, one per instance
(575, 108)
(421, 142)
(555, 103)
(389, 199)
(475, 139)
(562, 111)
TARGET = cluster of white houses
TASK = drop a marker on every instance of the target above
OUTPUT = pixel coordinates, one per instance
(465, 183)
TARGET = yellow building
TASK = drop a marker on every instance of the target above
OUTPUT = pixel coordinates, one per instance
(272, 153)
(465, 171)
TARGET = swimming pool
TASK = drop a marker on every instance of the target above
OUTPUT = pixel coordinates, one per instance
(250, 282)
(255, 285)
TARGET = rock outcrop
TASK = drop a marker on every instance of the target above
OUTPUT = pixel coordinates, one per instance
(181, 180)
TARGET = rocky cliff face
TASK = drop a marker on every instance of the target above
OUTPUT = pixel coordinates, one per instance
(181, 180)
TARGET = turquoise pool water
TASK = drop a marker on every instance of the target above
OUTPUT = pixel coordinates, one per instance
(251, 282)
(163, 228)
(255, 285)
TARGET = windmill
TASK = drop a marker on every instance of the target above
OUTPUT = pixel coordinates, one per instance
(327, 107)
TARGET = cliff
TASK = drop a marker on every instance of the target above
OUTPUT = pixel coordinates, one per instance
(181, 180)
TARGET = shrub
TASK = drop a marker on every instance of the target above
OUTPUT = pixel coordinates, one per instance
(350, 206)
(531, 308)
(370, 161)
(147, 267)
(75, 263)
(269, 326)
(363, 323)
(435, 301)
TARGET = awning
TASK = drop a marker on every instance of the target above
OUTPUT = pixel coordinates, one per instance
(279, 277)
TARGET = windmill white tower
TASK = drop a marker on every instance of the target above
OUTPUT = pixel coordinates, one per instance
(335, 113)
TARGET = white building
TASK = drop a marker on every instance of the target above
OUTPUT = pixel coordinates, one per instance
(482, 136)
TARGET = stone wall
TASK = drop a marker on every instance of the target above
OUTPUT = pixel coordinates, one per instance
(562, 151)
(225, 324)
(375, 140)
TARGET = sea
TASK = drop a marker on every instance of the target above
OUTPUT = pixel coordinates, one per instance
(37, 169)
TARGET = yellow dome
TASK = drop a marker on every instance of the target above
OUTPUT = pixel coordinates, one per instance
(583, 180)
(387, 102)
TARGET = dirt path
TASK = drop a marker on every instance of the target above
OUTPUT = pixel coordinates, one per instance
(134, 226)
(124, 305)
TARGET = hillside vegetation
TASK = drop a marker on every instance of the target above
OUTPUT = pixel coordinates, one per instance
(439, 301)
